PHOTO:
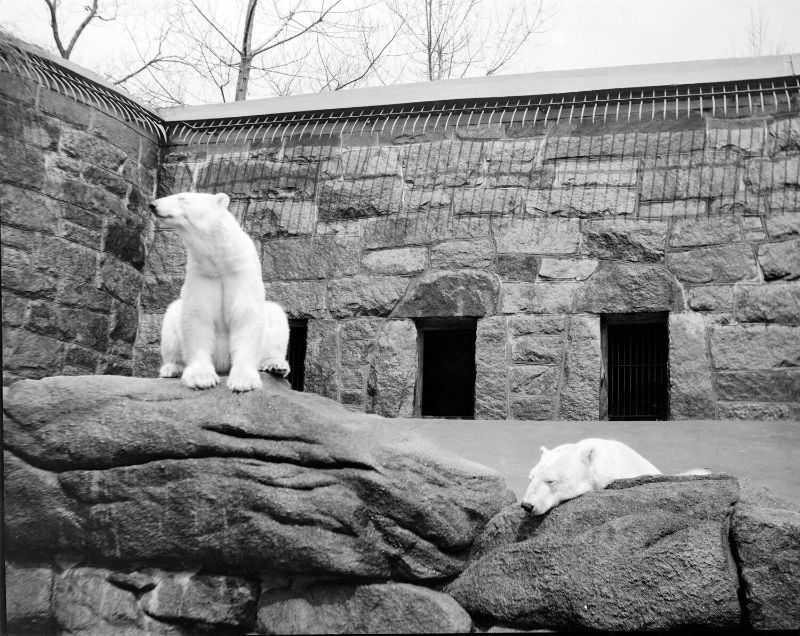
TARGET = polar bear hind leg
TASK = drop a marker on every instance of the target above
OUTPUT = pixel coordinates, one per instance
(275, 340)
(171, 349)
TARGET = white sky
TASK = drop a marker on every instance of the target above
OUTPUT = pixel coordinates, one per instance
(582, 34)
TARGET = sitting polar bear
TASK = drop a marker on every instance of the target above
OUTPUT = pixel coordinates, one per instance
(221, 322)
(571, 470)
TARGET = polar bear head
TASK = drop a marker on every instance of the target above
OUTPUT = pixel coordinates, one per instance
(561, 474)
(192, 212)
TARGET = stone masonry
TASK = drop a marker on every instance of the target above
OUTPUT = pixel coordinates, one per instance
(74, 188)
(538, 234)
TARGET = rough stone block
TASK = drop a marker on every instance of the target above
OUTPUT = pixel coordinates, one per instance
(411, 228)
(491, 368)
(86, 602)
(540, 381)
(90, 148)
(393, 371)
(221, 601)
(755, 346)
(358, 163)
(321, 368)
(364, 295)
(783, 200)
(547, 325)
(451, 293)
(540, 349)
(541, 297)
(60, 185)
(722, 264)
(299, 299)
(783, 225)
(280, 217)
(22, 164)
(596, 172)
(28, 591)
(582, 201)
(508, 155)
(159, 291)
(31, 355)
(444, 163)
(623, 144)
(481, 131)
(119, 279)
(403, 260)
(718, 298)
(780, 261)
(625, 240)
(746, 135)
(165, 254)
(763, 174)
(667, 184)
(469, 253)
(783, 135)
(778, 302)
(312, 257)
(339, 200)
(683, 208)
(528, 408)
(691, 391)
(567, 268)
(487, 201)
(536, 236)
(757, 411)
(629, 287)
(759, 386)
(517, 267)
(28, 125)
(706, 231)
(60, 258)
(580, 387)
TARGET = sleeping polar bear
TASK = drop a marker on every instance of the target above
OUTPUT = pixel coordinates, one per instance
(571, 470)
(221, 322)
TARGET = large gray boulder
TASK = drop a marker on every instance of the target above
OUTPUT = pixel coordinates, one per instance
(766, 534)
(376, 608)
(645, 554)
(133, 470)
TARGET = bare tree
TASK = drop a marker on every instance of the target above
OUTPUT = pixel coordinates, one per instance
(759, 41)
(307, 45)
(453, 38)
(92, 13)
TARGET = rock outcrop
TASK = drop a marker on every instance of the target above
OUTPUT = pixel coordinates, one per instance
(142, 470)
(137, 506)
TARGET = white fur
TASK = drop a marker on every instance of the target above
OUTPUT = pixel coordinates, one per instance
(221, 322)
(571, 470)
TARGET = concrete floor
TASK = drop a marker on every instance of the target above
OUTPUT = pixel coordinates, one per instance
(767, 452)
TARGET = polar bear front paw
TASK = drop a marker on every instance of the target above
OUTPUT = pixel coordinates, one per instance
(170, 370)
(243, 379)
(276, 367)
(200, 376)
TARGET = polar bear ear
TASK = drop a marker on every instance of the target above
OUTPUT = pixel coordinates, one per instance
(543, 450)
(222, 200)
(587, 455)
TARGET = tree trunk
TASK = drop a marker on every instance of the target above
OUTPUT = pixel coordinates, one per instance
(246, 58)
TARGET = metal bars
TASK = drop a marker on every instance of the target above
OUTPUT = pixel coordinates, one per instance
(742, 98)
(638, 372)
(64, 81)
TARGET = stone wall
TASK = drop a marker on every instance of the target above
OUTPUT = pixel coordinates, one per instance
(537, 232)
(74, 184)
